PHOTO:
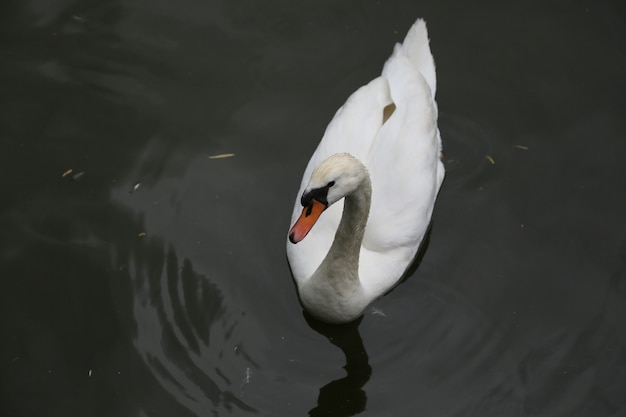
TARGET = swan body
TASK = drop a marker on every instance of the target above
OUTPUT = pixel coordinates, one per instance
(368, 192)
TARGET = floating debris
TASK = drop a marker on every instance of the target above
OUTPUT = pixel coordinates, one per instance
(78, 175)
(135, 187)
(378, 312)
(490, 159)
(78, 18)
(66, 173)
(141, 234)
(89, 373)
(521, 147)
(221, 156)
(247, 377)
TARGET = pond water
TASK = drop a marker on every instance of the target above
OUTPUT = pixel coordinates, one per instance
(141, 276)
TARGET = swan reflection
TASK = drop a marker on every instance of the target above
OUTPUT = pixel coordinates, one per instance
(344, 396)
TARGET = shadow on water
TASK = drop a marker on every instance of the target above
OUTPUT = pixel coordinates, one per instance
(345, 396)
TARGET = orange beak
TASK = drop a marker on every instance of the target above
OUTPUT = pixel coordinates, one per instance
(305, 222)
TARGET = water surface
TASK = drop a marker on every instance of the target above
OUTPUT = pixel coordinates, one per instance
(151, 279)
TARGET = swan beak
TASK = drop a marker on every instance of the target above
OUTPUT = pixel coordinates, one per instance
(307, 219)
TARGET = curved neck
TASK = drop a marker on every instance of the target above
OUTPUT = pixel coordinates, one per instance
(342, 261)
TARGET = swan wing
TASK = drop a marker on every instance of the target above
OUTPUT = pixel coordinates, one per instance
(404, 163)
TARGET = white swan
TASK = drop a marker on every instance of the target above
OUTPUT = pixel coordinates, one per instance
(369, 188)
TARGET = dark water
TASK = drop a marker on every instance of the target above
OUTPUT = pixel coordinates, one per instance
(518, 307)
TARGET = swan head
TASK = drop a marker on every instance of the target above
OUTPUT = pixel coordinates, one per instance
(336, 177)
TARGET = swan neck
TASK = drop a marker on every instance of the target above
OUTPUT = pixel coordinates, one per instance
(346, 248)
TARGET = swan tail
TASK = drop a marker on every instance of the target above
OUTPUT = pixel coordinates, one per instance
(410, 58)
(416, 47)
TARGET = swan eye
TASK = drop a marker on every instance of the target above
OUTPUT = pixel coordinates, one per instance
(330, 184)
